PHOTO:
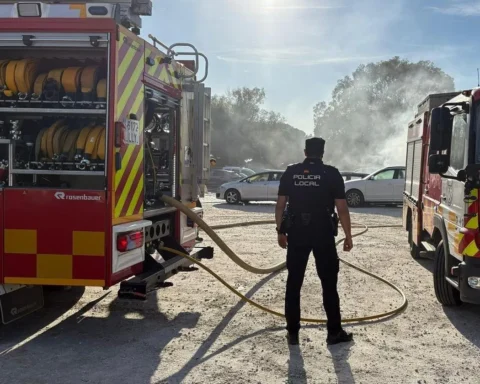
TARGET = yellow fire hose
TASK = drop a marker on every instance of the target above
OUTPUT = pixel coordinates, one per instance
(209, 230)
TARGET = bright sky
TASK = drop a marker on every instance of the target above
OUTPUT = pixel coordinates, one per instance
(298, 49)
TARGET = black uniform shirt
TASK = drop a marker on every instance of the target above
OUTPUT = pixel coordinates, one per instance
(312, 187)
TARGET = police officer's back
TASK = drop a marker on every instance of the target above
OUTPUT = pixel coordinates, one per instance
(313, 190)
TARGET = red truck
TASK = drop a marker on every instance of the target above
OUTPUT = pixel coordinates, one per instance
(440, 210)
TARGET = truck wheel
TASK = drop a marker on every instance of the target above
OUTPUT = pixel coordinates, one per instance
(446, 294)
(355, 198)
(232, 196)
(414, 249)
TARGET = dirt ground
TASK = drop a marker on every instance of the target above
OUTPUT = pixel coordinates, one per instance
(198, 332)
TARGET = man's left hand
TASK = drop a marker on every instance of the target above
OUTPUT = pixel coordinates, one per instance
(282, 240)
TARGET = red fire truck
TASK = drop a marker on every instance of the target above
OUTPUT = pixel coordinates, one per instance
(95, 124)
(440, 210)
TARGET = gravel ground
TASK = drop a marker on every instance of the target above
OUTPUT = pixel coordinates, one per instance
(198, 332)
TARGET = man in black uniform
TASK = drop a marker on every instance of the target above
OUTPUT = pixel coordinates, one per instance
(313, 190)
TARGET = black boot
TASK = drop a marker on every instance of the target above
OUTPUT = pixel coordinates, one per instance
(340, 337)
(292, 338)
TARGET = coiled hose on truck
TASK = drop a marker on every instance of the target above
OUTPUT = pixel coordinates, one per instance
(210, 232)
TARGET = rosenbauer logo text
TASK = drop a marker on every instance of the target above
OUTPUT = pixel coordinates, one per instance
(64, 196)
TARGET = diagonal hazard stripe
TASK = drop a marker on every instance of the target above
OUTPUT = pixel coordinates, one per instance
(129, 184)
(125, 160)
(127, 61)
(128, 158)
(139, 206)
(128, 92)
(134, 194)
(132, 74)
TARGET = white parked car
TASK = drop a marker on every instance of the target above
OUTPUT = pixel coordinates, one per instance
(383, 186)
(240, 170)
(259, 187)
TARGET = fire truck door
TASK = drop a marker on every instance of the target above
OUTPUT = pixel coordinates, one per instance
(453, 190)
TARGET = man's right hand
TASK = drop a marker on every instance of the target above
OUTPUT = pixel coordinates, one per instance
(282, 240)
(348, 244)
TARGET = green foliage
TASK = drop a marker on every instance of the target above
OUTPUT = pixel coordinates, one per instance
(243, 131)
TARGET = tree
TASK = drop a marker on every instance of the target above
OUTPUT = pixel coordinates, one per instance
(246, 134)
(365, 122)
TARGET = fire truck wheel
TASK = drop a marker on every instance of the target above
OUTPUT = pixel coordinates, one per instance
(446, 294)
(355, 198)
(232, 196)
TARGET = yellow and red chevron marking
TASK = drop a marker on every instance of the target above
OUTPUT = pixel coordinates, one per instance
(130, 100)
(467, 245)
(159, 71)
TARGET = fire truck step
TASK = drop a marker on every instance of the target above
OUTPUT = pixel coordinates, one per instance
(21, 302)
(429, 250)
(155, 274)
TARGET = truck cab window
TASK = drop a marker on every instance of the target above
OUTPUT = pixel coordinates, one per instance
(460, 127)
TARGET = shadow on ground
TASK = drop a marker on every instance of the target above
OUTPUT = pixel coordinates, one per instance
(466, 318)
(124, 343)
(57, 303)
(379, 210)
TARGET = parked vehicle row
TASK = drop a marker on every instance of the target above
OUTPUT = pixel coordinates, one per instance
(383, 186)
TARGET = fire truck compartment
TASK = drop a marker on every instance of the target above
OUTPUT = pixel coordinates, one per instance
(54, 93)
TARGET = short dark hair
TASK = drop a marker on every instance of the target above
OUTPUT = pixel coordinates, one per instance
(315, 147)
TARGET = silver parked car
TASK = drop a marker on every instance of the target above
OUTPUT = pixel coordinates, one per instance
(383, 186)
(259, 187)
(221, 176)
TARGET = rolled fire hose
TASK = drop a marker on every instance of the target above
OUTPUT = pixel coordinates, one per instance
(99, 152)
(82, 140)
(3, 73)
(38, 144)
(10, 79)
(92, 142)
(89, 81)
(46, 143)
(58, 141)
(193, 216)
(39, 84)
(68, 150)
(25, 75)
(102, 90)
(71, 80)
(53, 85)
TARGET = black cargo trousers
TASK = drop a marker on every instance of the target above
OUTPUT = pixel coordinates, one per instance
(327, 265)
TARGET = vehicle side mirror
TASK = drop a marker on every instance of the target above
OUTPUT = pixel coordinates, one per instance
(440, 140)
